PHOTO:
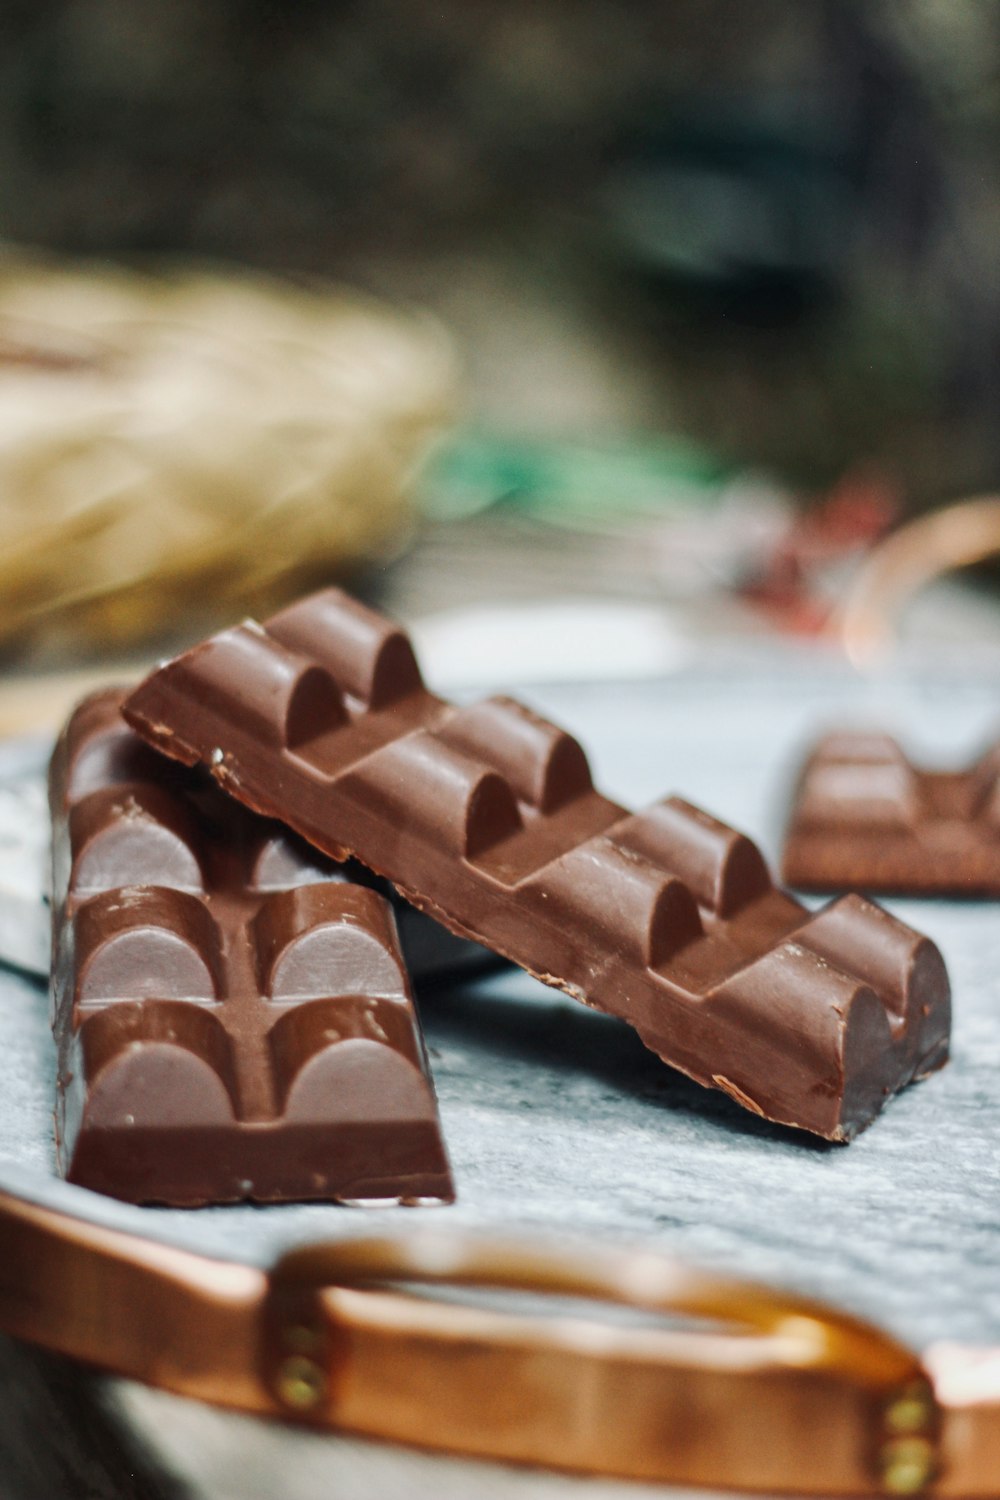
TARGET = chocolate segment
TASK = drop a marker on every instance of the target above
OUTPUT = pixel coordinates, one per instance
(227, 1026)
(864, 816)
(487, 818)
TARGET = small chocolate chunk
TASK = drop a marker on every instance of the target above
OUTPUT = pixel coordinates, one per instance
(864, 817)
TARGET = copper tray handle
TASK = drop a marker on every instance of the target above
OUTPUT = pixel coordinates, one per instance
(791, 1394)
(769, 1392)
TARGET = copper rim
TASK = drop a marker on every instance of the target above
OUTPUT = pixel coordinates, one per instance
(753, 1390)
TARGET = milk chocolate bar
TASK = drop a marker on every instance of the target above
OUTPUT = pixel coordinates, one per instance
(486, 817)
(864, 816)
(228, 1025)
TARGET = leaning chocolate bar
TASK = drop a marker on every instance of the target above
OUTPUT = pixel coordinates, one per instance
(228, 1026)
(486, 817)
(864, 816)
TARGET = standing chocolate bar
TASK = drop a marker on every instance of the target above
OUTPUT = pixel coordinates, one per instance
(486, 817)
(865, 817)
(228, 1026)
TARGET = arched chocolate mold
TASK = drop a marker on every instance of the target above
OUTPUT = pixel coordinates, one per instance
(821, 1036)
(136, 1075)
(864, 816)
(104, 751)
(181, 1079)
(907, 970)
(131, 834)
(280, 859)
(114, 758)
(319, 940)
(157, 1065)
(371, 658)
(879, 793)
(544, 766)
(349, 1075)
(984, 787)
(307, 1043)
(285, 698)
(457, 803)
(722, 868)
(868, 747)
(485, 816)
(645, 917)
(144, 941)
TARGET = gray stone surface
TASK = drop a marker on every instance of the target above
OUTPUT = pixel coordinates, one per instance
(558, 1120)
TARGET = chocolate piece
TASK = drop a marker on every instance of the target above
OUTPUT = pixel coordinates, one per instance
(865, 816)
(228, 1027)
(486, 817)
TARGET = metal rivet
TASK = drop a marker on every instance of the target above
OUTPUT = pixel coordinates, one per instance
(301, 1383)
(911, 1412)
(301, 1339)
(907, 1465)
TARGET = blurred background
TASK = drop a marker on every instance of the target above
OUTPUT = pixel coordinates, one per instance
(684, 308)
(588, 336)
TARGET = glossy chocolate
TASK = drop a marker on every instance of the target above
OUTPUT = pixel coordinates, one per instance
(864, 816)
(230, 1025)
(486, 817)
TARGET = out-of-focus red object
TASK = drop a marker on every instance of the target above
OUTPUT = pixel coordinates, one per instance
(791, 584)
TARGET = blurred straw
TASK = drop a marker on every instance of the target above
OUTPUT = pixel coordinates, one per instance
(198, 438)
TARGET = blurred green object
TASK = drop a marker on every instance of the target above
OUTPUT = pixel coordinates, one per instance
(569, 483)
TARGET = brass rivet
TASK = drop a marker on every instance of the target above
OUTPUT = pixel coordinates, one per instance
(907, 1465)
(301, 1383)
(912, 1412)
(301, 1339)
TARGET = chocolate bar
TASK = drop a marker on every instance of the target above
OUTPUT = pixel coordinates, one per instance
(229, 1025)
(864, 816)
(486, 817)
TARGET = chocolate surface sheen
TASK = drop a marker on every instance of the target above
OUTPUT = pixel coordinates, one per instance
(864, 816)
(230, 1025)
(486, 817)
